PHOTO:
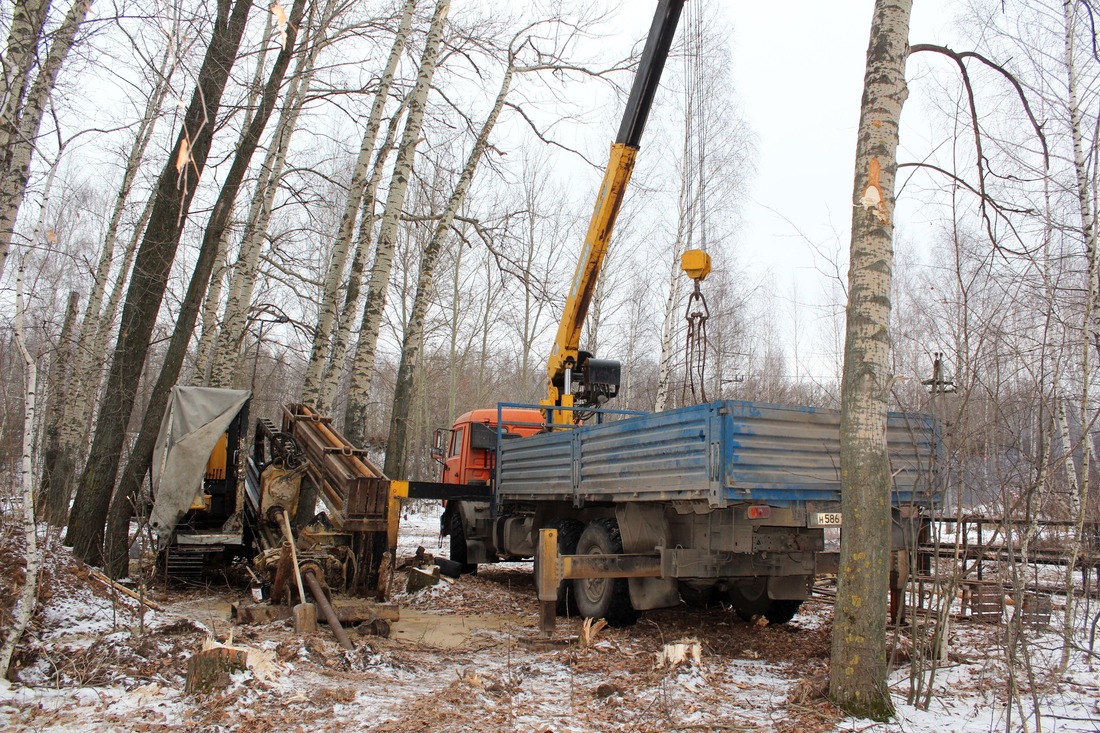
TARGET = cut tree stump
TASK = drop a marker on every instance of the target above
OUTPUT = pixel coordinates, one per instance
(210, 669)
(421, 578)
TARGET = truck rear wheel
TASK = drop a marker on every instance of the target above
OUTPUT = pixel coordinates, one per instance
(750, 598)
(459, 551)
(569, 532)
(780, 612)
(607, 598)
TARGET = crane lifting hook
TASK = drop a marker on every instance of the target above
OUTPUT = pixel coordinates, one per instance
(696, 264)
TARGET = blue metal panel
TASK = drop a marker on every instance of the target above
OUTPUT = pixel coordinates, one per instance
(719, 452)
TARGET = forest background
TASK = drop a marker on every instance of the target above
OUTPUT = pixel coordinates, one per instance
(300, 199)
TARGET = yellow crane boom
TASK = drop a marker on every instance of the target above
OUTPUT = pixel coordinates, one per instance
(575, 378)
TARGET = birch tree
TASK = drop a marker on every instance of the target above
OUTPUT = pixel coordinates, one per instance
(397, 442)
(142, 453)
(174, 192)
(1084, 162)
(27, 599)
(23, 111)
(378, 286)
(312, 389)
(242, 284)
(363, 240)
(857, 673)
(99, 316)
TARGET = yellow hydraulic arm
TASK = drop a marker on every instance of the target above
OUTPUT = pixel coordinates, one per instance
(573, 376)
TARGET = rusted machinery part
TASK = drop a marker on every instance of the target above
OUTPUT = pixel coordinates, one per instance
(319, 597)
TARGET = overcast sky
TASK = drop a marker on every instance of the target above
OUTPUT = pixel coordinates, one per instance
(799, 74)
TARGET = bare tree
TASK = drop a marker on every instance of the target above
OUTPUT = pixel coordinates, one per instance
(858, 663)
(312, 392)
(23, 107)
(397, 442)
(30, 530)
(121, 508)
(371, 325)
(174, 192)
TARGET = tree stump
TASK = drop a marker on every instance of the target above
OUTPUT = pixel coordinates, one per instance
(210, 669)
(421, 578)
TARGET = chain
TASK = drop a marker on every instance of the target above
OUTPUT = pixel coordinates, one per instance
(695, 356)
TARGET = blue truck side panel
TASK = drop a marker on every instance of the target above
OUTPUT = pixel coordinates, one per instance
(722, 453)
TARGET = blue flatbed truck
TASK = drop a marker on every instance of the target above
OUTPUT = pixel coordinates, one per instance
(728, 500)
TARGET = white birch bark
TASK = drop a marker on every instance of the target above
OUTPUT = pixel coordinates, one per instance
(352, 299)
(1081, 162)
(19, 150)
(672, 303)
(312, 390)
(397, 443)
(371, 325)
(27, 22)
(211, 303)
(225, 361)
(26, 605)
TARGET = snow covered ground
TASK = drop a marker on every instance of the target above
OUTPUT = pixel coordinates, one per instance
(467, 656)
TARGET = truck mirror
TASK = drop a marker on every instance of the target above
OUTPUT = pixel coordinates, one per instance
(438, 442)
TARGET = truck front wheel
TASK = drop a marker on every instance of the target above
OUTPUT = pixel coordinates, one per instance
(607, 598)
(459, 551)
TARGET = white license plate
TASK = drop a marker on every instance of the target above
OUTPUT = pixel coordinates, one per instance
(828, 519)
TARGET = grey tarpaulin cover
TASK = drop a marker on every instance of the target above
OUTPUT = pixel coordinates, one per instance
(195, 420)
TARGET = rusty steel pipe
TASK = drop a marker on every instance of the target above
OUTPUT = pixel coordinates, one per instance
(333, 620)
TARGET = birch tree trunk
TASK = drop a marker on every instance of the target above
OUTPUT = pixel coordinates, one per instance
(52, 500)
(18, 149)
(1083, 162)
(88, 362)
(174, 191)
(118, 519)
(312, 392)
(683, 229)
(26, 606)
(397, 442)
(224, 363)
(367, 218)
(28, 19)
(371, 325)
(205, 349)
(857, 680)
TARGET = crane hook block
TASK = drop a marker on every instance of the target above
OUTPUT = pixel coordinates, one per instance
(696, 264)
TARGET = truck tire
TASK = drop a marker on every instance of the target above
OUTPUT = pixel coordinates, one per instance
(780, 612)
(459, 551)
(749, 598)
(606, 598)
(698, 597)
(569, 532)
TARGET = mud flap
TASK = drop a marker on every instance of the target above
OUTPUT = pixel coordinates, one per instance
(790, 587)
(643, 530)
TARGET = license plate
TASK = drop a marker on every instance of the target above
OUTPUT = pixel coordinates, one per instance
(828, 519)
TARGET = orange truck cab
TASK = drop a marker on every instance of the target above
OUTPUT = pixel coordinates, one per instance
(467, 452)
